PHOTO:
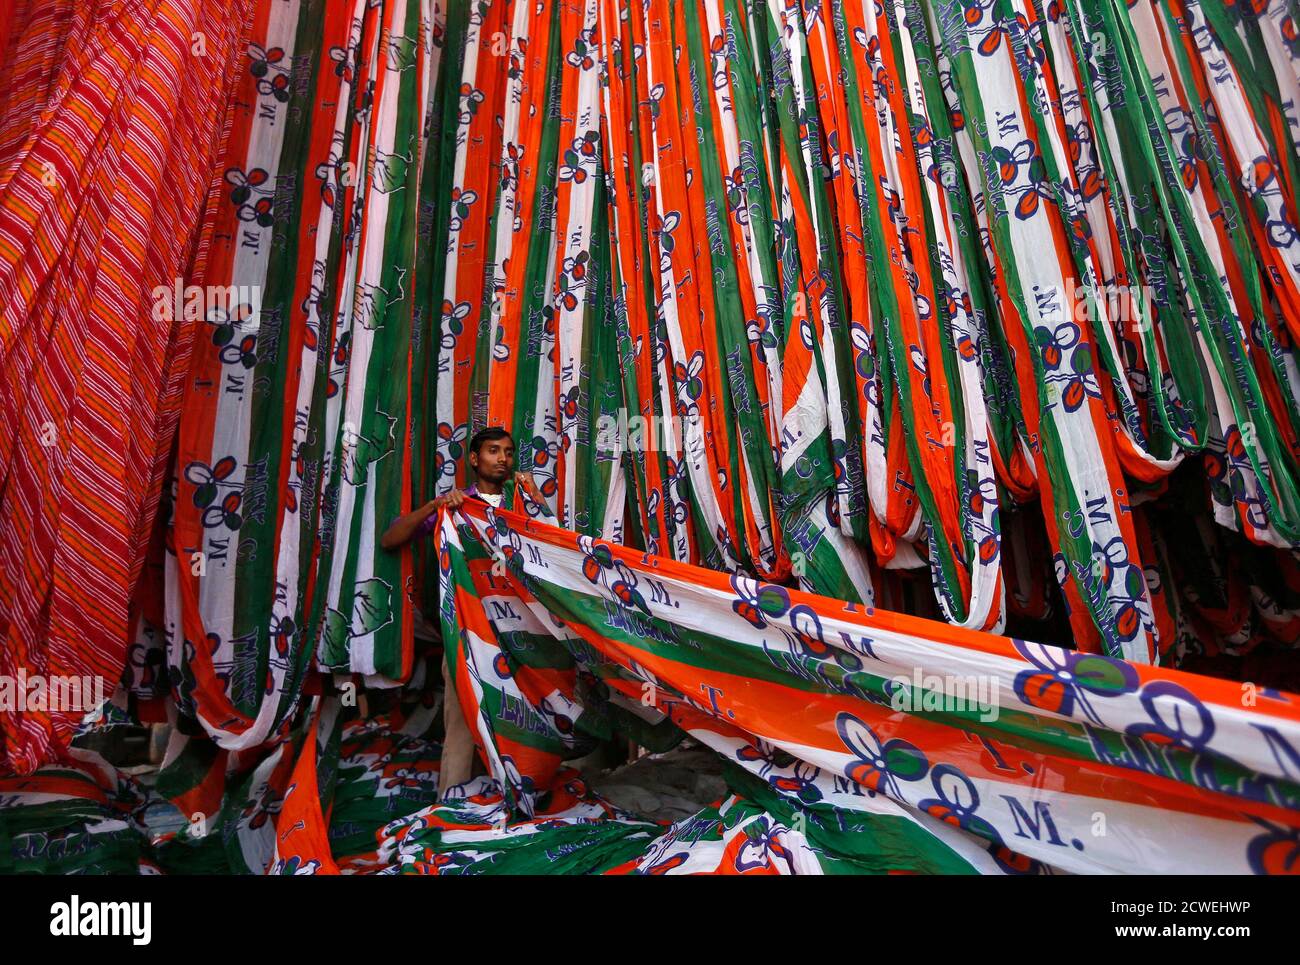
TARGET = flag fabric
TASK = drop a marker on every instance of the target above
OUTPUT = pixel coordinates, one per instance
(913, 722)
(855, 739)
(293, 442)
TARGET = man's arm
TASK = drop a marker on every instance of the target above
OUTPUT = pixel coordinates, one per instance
(405, 527)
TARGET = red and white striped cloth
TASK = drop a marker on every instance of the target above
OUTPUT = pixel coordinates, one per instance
(111, 119)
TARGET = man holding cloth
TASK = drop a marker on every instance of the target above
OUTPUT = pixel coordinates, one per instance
(492, 457)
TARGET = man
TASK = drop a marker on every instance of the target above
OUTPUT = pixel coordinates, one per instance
(492, 457)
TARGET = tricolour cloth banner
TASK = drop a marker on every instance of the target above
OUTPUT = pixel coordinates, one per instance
(294, 448)
(981, 752)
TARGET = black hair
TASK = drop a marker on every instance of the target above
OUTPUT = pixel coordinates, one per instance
(488, 435)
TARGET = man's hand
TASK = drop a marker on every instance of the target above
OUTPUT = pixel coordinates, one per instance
(452, 499)
(529, 485)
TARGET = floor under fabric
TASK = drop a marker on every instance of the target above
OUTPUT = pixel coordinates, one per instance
(664, 787)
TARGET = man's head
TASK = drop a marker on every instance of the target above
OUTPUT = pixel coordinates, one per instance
(492, 455)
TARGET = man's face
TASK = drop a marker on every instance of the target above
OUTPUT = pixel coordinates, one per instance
(495, 460)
